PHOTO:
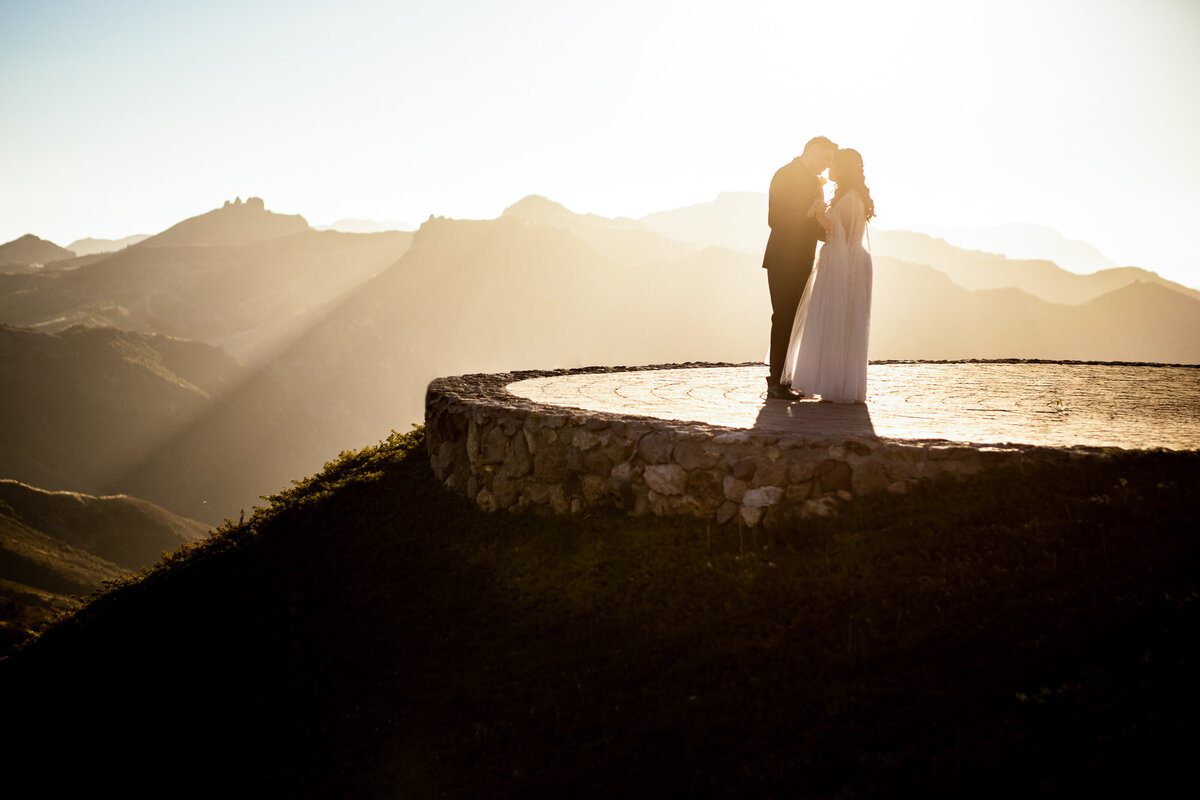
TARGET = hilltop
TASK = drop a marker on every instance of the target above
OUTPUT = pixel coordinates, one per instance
(28, 251)
(369, 634)
(234, 223)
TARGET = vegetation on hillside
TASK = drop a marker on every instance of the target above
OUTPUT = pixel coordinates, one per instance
(370, 634)
(58, 546)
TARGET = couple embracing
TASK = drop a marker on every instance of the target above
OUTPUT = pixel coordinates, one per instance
(821, 315)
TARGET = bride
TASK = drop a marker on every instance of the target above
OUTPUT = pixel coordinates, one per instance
(827, 354)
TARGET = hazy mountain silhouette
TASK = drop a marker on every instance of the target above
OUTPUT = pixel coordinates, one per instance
(505, 294)
(1027, 242)
(623, 239)
(1044, 279)
(234, 223)
(920, 313)
(27, 251)
(544, 211)
(735, 220)
(89, 246)
(245, 296)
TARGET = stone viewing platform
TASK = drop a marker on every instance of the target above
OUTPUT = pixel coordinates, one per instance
(702, 440)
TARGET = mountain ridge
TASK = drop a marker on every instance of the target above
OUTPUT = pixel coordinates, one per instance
(1026, 241)
(245, 295)
(737, 220)
(30, 251)
(89, 246)
(348, 362)
(235, 223)
(1042, 278)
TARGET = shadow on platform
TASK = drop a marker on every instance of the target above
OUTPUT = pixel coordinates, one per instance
(814, 418)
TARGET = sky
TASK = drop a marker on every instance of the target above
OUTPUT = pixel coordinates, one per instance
(127, 117)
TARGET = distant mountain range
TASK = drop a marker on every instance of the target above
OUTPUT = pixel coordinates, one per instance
(541, 287)
(1025, 241)
(977, 270)
(735, 221)
(918, 310)
(91, 247)
(239, 277)
(337, 334)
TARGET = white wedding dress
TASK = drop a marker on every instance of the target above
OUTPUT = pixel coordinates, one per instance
(827, 354)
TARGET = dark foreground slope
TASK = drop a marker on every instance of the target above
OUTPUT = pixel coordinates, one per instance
(371, 635)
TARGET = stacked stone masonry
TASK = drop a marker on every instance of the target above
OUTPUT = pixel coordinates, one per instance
(507, 453)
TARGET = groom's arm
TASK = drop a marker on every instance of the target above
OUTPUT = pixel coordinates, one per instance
(791, 196)
(781, 211)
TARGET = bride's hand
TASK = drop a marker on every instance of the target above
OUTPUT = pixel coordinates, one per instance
(823, 220)
(817, 208)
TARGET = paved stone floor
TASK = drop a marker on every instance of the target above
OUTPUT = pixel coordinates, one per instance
(1104, 405)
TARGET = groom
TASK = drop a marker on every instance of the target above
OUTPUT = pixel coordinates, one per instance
(793, 243)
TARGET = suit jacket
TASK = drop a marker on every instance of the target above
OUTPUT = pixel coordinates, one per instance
(794, 234)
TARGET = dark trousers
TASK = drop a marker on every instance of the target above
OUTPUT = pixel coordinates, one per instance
(786, 285)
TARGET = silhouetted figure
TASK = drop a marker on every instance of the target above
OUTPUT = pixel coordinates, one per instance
(828, 351)
(795, 198)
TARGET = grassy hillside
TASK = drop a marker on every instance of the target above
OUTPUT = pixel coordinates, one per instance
(181, 424)
(41, 577)
(369, 634)
(57, 546)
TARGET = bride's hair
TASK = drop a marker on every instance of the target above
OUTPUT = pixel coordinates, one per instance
(847, 173)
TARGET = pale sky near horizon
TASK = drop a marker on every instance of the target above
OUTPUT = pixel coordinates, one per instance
(126, 117)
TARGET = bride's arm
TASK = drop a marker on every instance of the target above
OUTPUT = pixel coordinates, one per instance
(848, 211)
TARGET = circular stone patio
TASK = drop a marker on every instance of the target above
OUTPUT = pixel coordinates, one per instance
(703, 440)
(1129, 406)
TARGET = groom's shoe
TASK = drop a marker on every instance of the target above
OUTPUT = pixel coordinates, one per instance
(777, 391)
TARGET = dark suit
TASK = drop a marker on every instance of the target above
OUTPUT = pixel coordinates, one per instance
(790, 250)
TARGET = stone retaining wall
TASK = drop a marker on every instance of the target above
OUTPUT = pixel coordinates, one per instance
(505, 452)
